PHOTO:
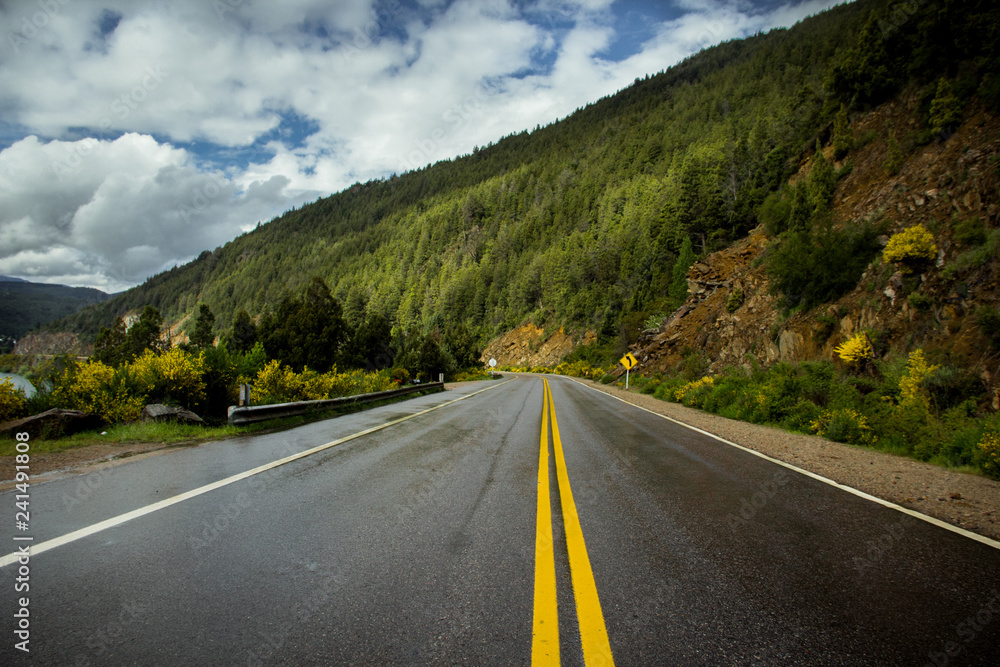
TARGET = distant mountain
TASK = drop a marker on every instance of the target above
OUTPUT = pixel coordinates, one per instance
(25, 305)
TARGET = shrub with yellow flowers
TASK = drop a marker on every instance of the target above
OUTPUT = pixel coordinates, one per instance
(844, 425)
(911, 386)
(911, 249)
(692, 388)
(101, 390)
(277, 383)
(12, 401)
(856, 351)
(172, 377)
(988, 453)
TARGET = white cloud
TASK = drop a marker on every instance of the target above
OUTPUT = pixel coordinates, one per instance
(121, 209)
(389, 85)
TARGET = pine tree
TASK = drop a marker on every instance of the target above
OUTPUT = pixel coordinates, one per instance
(946, 110)
(822, 180)
(843, 138)
(203, 337)
(894, 156)
(679, 287)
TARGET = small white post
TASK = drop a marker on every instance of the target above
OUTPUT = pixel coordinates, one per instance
(626, 378)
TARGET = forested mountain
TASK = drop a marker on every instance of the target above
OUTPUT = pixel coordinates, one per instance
(592, 222)
(25, 305)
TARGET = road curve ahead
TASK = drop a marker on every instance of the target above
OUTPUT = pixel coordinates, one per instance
(533, 521)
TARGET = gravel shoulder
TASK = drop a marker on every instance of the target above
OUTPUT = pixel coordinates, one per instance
(962, 499)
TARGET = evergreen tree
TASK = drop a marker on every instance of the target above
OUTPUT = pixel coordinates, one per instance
(946, 111)
(894, 156)
(843, 138)
(109, 347)
(822, 180)
(243, 335)
(145, 334)
(679, 287)
(203, 337)
(307, 330)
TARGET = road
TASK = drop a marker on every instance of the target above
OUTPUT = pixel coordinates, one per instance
(426, 542)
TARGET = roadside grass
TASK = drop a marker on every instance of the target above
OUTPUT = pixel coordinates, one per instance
(172, 433)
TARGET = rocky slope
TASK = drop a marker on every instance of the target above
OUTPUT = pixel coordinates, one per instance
(527, 345)
(940, 185)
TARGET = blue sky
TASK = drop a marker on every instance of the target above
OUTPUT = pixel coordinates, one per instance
(134, 135)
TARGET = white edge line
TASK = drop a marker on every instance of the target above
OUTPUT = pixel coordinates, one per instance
(861, 494)
(42, 547)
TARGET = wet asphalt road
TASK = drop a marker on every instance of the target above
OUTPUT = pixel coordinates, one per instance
(416, 545)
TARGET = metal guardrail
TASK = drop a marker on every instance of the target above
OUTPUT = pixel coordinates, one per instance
(256, 413)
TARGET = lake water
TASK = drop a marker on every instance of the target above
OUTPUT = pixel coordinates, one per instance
(29, 389)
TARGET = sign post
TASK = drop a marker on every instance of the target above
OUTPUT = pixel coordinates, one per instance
(628, 361)
(493, 364)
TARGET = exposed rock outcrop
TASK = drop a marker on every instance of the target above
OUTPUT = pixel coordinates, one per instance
(50, 424)
(157, 412)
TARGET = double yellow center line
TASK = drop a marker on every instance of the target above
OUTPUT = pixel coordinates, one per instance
(545, 626)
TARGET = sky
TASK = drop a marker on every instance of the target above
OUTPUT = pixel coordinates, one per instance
(134, 135)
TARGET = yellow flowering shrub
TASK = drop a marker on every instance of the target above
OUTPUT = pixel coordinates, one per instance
(844, 425)
(576, 369)
(911, 385)
(101, 390)
(174, 376)
(12, 401)
(910, 249)
(989, 453)
(276, 383)
(855, 350)
(690, 387)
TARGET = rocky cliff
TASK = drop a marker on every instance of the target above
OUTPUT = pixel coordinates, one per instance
(950, 184)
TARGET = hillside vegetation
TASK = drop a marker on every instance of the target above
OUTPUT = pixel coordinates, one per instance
(25, 306)
(592, 223)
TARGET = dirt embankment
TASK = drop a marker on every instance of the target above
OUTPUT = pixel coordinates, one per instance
(529, 345)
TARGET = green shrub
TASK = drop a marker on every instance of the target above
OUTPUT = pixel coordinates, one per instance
(810, 268)
(970, 232)
(920, 301)
(608, 378)
(989, 323)
(734, 300)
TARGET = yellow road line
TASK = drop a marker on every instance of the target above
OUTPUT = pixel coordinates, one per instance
(593, 632)
(545, 625)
